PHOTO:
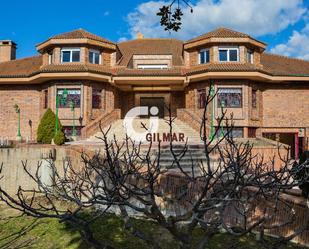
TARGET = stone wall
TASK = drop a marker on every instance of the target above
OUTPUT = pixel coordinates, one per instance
(14, 174)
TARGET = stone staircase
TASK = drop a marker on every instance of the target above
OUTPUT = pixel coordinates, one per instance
(193, 157)
(193, 160)
(119, 130)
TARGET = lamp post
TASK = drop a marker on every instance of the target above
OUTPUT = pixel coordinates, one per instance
(222, 107)
(62, 99)
(30, 125)
(212, 127)
(17, 110)
(72, 106)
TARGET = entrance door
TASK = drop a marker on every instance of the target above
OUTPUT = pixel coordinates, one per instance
(153, 101)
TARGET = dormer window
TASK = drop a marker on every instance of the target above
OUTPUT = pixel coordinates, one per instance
(94, 57)
(204, 56)
(152, 66)
(227, 54)
(70, 55)
(250, 56)
(151, 61)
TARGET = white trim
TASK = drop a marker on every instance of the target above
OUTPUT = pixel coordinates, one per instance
(199, 55)
(71, 54)
(228, 48)
(152, 66)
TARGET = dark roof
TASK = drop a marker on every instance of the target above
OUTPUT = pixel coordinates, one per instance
(147, 46)
(284, 66)
(80, 34)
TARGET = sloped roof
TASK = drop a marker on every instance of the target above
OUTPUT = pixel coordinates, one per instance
(74, 67)
(151, 47)
(223, 67)
(221, 33)
(21, 68)
(174, 71)
(284, 66)
(80, 34)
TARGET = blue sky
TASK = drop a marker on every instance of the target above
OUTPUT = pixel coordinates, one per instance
(283, 24)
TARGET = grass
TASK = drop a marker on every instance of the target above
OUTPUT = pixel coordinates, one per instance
(27, 232)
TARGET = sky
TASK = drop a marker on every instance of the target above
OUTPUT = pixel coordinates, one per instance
(282, 24)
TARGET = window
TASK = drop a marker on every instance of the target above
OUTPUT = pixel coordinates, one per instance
(254, 98)
(236, 132)
(94, 57)
(201, 96)
(251, 132)
(228, 54)
(50, 57)
(250, 56)
(204, 56)
(68, 130)
(230, 97)
(73, 95)
(152, 66)
(70, 55)
(45, 99)
(96, 98)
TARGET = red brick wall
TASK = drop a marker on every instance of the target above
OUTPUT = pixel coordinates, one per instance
(29, 100)
(286, 106)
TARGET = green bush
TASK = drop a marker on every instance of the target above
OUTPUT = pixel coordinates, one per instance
(46, 129)
(59, 138)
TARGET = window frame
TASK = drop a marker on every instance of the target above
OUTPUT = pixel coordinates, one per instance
(199, 91)
(71, 50)
(254, 104)
(100, 94)
(93, 58)
(228, 53)
(230, 107)
(250, 56)
(204, 51)
(67, 106)
(152, 66)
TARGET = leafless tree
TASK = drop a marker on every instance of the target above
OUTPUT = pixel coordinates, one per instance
(233, 190)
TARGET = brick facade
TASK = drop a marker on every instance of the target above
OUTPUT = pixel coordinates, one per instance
(29, 99)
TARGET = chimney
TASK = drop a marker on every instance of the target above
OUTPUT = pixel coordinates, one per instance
(7, 50)
(140, 36)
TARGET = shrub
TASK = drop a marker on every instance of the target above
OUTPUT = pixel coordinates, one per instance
(59, 138)
(46, 129)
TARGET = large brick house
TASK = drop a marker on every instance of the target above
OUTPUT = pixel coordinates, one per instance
(268, 94)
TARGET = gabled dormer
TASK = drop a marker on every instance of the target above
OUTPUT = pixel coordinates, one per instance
(223, 46)
(77, 47)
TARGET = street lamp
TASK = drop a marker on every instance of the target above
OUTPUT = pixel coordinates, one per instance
(72, 106)
(222, 107)
(62, 99)
(17, 110)
(212, 127)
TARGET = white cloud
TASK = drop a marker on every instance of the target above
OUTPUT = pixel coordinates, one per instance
(297, 45)
(122, 39)
(255, 17)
